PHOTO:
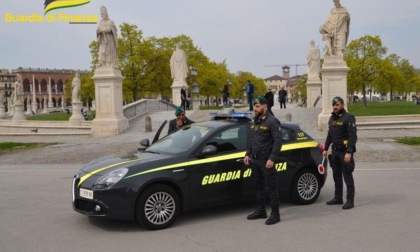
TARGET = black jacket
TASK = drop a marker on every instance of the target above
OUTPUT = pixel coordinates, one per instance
(172, 125)
(342, 132)
(266, 140)
(269, 96)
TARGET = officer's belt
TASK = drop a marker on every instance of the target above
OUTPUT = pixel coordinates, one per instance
(254, 156)
(339, 148)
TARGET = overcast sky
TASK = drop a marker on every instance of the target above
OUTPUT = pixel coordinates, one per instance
(249, 34)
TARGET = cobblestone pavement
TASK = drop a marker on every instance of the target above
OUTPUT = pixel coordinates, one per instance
(373, 145)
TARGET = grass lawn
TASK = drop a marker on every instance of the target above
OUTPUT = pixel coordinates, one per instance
(10, 146)
(50, 117)
(409, 140)
(383, 108)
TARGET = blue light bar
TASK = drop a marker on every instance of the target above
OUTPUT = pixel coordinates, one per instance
(232, 114)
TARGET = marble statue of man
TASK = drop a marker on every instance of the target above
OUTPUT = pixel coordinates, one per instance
(75, 88)
(178, 63)
(17, 91)
(335, 31)
(314, 61)
(107, 41)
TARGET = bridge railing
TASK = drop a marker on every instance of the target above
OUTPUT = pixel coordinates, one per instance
(141, 107)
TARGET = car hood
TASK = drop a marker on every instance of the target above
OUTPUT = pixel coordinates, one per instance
(139, 162)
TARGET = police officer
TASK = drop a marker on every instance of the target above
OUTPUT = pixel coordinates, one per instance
(263, 151)
(180, 120)
(342, 135)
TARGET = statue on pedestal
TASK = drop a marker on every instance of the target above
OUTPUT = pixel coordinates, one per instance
(17, 91)
(75, 88)
(335, 30)
(107, 41)
(178, 64)
(313, 61)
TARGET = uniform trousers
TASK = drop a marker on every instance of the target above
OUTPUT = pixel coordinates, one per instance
(265, 182)
(342, 170)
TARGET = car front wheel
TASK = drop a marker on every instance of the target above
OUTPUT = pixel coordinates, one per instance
(305, 187)
(157, 207)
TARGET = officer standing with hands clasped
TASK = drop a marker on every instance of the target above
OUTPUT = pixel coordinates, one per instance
(342, 134)
(262, 153)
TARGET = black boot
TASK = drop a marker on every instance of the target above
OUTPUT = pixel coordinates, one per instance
(274, 217)
(349, 205)
(335, 202)
(259, 213)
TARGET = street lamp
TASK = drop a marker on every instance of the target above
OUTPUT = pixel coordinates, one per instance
(195, 89)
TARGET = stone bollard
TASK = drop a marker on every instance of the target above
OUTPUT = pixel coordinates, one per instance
(288, 117)
(148, 124)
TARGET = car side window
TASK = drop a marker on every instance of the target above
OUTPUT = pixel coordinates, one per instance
(288, 135)
(232, 139)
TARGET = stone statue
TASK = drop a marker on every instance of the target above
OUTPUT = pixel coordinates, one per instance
(107, 41)
(75, 88)
(335, 31)
(314, 61)
(178, 63)
(2, 99)
(17, 92)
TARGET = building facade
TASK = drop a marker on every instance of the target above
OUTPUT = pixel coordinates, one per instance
(276, 82)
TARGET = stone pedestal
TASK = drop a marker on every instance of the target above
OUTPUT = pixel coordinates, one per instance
(313, 91)
(45, 110)
(196, 103)
(176, 91)
(109, 120)
(334, 83)
(76, 117)
(19, 112)
(2, 110)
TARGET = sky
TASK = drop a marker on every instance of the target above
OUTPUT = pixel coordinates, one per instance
(251, 35)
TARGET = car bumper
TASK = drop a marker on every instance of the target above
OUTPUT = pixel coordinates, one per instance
(117, 203)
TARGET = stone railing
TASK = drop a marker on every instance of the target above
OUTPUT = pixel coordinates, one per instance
(141, 107)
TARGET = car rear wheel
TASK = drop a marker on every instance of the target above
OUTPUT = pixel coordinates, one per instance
(305, 187)
(157, 207)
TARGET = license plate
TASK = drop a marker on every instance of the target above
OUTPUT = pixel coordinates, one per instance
(84, 193)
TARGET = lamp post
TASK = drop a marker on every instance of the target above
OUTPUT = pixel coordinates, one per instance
(229, 83)
(195, 89)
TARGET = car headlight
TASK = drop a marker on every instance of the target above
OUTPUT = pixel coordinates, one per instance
(110, 179)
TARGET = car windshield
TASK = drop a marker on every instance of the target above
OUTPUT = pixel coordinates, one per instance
(181, 141)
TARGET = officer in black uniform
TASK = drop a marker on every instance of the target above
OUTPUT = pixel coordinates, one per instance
(342, 134)
(263, 151)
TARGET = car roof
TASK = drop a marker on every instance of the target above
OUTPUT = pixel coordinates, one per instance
(227, 122)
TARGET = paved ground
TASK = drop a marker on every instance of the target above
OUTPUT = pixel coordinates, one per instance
(373, 145)
(36, 213)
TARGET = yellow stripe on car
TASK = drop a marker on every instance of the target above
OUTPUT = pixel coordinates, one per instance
(195, 162)
(83, 178)
(285, 147)
(294, 146)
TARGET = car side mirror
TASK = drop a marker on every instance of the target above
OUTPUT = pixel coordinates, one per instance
(209, 150)
(145, 142)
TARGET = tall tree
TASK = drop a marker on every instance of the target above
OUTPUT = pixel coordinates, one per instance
(364, 57)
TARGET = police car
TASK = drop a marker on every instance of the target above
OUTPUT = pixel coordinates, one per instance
(198, 166)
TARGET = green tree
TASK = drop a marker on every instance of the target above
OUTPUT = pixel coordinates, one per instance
(389, 75)
(364, 57)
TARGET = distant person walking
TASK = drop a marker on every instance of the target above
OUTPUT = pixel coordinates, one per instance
(250, 94)
(282, 97)
(269, 96)
(183, 97)
(225, 92)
